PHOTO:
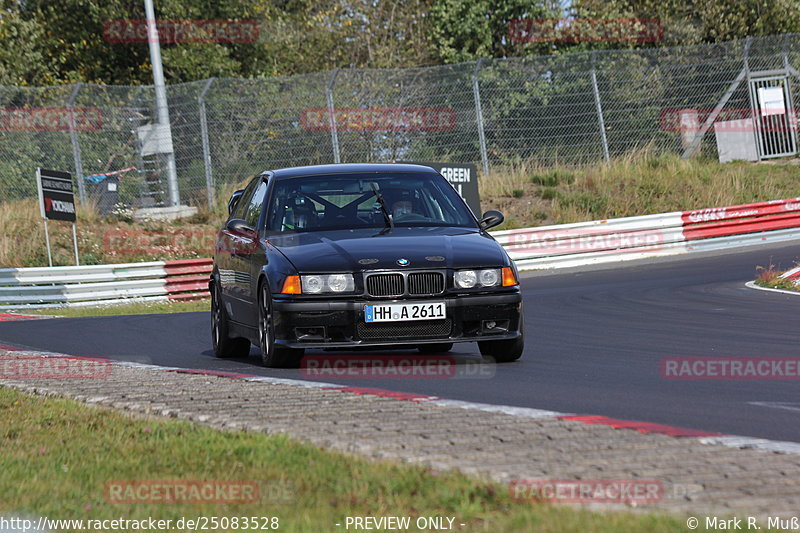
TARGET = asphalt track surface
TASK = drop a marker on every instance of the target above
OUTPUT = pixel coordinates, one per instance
(595, 342)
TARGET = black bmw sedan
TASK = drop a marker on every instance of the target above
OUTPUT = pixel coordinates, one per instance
(336, 256)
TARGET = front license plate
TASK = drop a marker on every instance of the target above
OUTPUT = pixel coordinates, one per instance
(403, 312)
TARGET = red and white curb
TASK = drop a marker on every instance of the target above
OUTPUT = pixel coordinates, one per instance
(14, 317)
(704, 437)
(792, 274)
(752, 285)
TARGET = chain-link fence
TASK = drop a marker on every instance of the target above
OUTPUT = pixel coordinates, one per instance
(570, 109)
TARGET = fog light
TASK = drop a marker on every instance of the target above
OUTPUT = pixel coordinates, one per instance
(316, 333)
(495, 326)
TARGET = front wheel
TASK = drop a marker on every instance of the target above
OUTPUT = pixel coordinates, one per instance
(272, 356)
(224, 346)
(503, 351)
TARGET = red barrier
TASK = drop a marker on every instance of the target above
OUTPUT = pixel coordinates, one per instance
(187, 283)
(716, 214)
(189, 266)
(740, 227)
(741, 219)
(187, 279)
(189, 295)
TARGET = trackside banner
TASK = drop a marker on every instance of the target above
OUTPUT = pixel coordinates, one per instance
(56, 199)
(463, 177)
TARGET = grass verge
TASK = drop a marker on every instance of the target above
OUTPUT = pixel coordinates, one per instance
(58, 455)
(770, 277)
(137, 308)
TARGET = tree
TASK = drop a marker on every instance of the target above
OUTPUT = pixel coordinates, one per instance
(702, 21)
(468, 29)
(64, 41)
(23, 63)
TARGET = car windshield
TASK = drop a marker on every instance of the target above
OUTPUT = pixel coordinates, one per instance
(344, 201)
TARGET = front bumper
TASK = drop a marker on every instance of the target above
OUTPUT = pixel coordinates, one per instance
(340, 323)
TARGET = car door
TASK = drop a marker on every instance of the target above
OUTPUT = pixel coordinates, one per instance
(229, 245)
(250, 257)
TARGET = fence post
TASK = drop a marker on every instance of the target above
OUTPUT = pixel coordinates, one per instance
(332, 116)
(785, 53)
(76, 148)
(476, 93)
(600, 121)
(201, 101)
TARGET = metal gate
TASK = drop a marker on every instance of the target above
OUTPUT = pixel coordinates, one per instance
(773, 116)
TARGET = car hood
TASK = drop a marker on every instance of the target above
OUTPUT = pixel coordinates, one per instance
(363, 249)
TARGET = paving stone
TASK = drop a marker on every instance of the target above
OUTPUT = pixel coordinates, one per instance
(697, 478)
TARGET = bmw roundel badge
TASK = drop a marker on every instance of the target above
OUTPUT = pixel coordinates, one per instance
(403, 262)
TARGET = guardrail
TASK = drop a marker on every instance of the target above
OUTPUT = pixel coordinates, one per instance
(679, 232)
(102, 284)
(561, 246)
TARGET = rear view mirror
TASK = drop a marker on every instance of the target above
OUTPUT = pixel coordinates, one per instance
(237, 225)
(234, 200)
(491, 219)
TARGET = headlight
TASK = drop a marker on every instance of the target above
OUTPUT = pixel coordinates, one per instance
(340, 282)
(488, 278)
(467, 279)
(326, 283)
(312, 284)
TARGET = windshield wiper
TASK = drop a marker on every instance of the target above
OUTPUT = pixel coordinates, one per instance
(387, 215)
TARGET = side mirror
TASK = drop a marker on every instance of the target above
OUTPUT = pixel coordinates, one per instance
(491, 219)
(237, 225)
(234, 200)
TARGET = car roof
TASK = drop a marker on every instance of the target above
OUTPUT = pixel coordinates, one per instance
(347, 168)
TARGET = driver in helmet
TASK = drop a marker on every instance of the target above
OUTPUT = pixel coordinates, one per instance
(402, 204)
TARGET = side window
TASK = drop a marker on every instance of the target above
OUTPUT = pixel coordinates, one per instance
(244, 201)
(253, 210)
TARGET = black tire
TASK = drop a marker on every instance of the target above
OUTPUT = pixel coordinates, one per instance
(272, 356)
(441, 347)
(505, 351)
(224, 346)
